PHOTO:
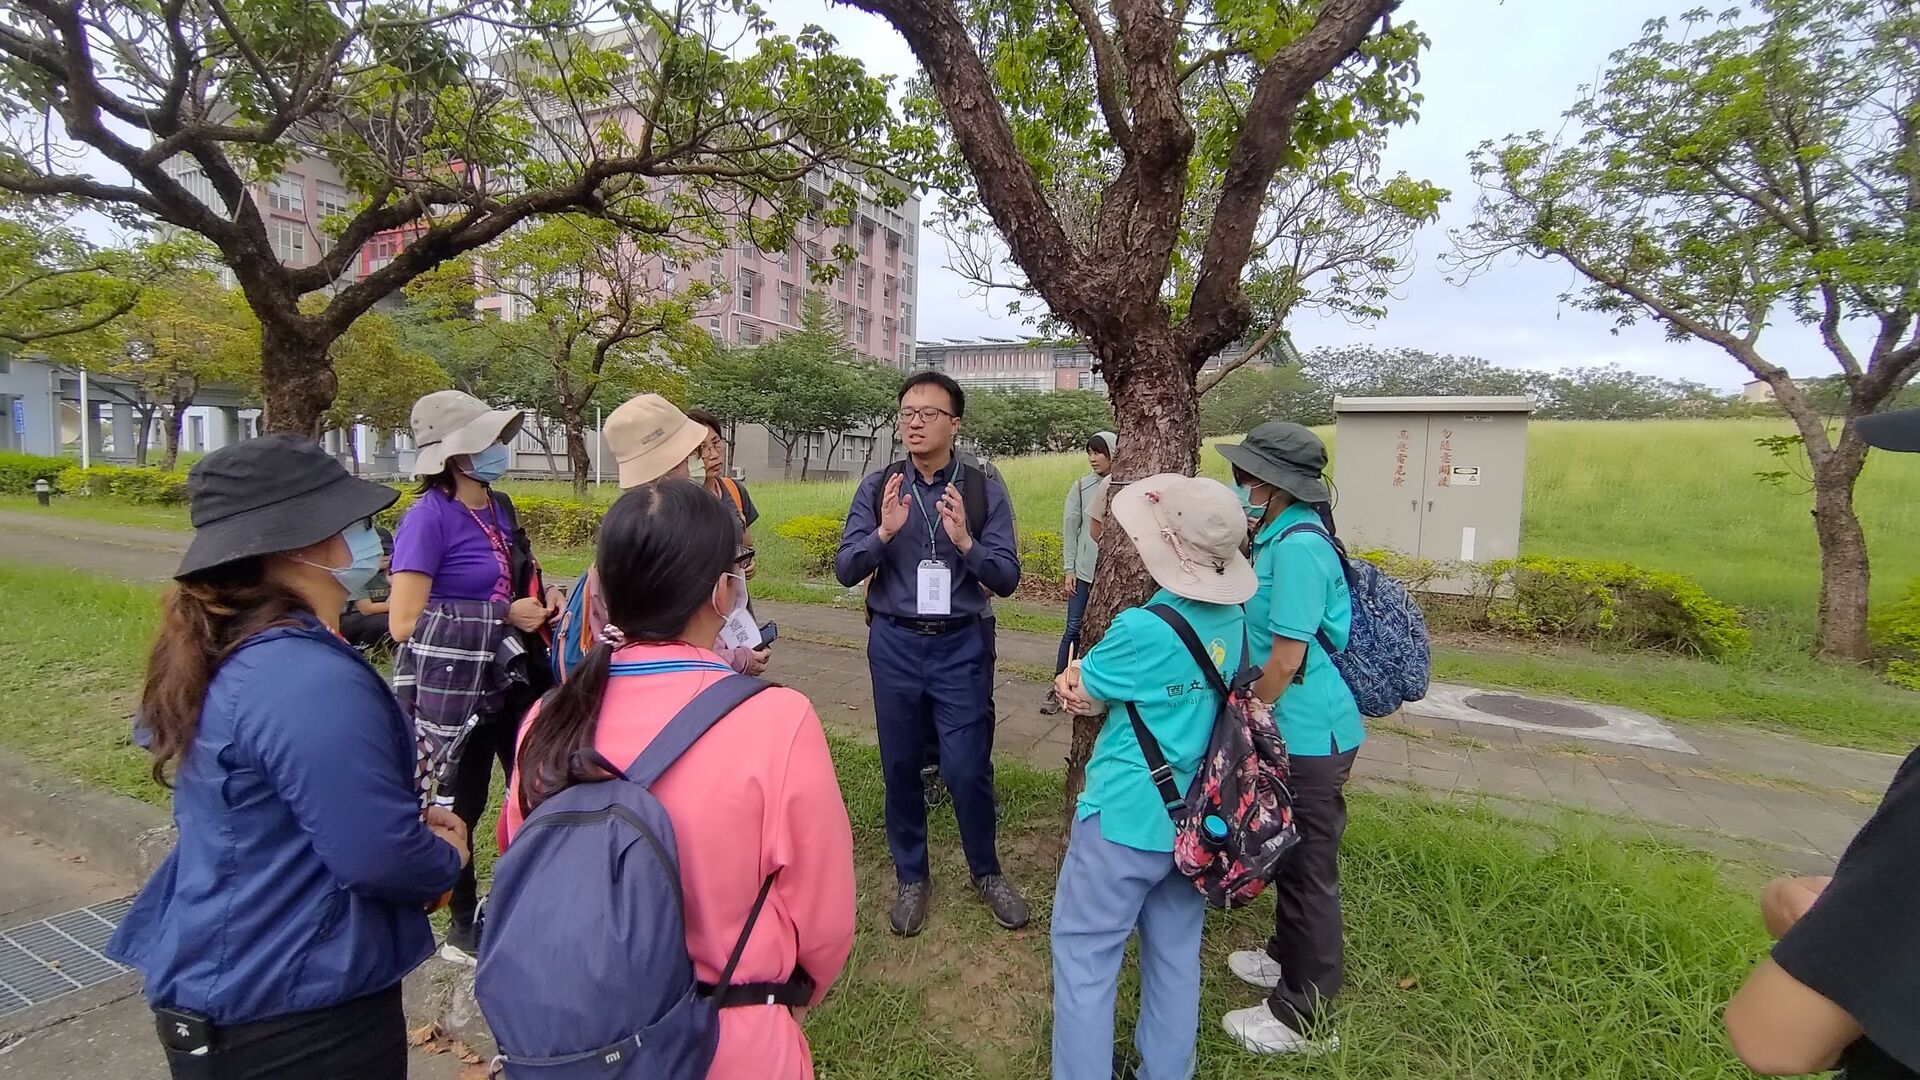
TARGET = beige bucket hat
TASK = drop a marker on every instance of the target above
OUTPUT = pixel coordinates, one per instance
(449, 423)
(648, 437)
(1188, 531)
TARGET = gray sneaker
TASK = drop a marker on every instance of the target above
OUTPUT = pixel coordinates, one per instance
(1008, 906)
(910, 902)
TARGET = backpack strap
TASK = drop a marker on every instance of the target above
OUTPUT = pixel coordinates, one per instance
(796, 990)
(733, 492)
(1157, 766)
(705, 710)
(1346, 571)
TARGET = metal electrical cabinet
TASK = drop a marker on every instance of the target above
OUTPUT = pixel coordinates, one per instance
(1438, 477)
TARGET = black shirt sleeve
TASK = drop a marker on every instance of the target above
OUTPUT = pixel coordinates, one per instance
(1859, 945)
(749, 513)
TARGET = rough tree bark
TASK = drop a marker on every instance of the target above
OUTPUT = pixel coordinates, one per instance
(1110, 287)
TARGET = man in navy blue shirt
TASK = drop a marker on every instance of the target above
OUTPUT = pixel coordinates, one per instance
(925, 650)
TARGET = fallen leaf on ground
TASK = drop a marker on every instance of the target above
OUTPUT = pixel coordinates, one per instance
(423, 1034)
(474, 1072)
(1408, 982)
(466, 1055)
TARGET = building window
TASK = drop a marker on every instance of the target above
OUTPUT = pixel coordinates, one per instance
(866, 239)
(886, 335)
(786, 303)
(198, 186)
(287, 194)
(906, 279)
(860, 287)
(329, 199)
(380, 251)
(714, 323)
(906, 319)
(866, 329)
(743, 293)
(906, 354)
(749, 333)
(886, 287)
(893, 248)
(814, 256)
(786, 259)
(289, 240)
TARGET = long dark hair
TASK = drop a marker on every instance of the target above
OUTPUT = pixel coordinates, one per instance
(202, 620)
(662, 546)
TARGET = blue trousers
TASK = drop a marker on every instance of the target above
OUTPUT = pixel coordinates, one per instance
(1107, 891)
(933, 682)
(1076, 610)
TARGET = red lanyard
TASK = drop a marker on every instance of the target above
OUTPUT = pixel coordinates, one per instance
(496, 538)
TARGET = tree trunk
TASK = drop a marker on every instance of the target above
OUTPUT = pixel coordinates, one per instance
(175, 417)
(1158, 416)
(143, 439)
(1843, 555)
(577, 457)
(296, 378)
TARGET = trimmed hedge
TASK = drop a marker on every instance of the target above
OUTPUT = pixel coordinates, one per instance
(1896, 636)
(549, 522)
(151, 487)
(1609, 603)
(19, 471)
(818, 538)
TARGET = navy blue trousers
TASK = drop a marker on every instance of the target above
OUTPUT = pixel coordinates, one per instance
(933, 682)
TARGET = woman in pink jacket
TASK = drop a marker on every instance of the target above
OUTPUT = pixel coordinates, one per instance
(755, 797)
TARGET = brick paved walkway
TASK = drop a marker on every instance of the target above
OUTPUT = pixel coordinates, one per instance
(1751, 795)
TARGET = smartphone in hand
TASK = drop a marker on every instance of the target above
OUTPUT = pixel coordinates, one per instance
(768, 634)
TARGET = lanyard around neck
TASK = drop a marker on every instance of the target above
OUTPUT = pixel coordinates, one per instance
(912, 478)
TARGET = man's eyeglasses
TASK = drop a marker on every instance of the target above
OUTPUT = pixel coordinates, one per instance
(926, 414)
(744, 559)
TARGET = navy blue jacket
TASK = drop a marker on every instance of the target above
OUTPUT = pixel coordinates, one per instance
(992, 562)
(302, 870)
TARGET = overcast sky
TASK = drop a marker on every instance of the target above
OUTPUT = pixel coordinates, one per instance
(1494, 68)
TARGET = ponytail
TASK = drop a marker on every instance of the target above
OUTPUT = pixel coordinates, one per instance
(550, 759)
(202, 621)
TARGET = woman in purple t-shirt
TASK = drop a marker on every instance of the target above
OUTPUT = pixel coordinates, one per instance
(455, 598)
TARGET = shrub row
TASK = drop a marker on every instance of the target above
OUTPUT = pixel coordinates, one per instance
(152, 487)
(1896, 636)
(1593, 601)
(549, 522)
(19, 471)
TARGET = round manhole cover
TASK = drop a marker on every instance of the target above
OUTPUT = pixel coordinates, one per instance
(1534, 711)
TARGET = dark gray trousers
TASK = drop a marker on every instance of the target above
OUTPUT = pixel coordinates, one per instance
(1307, 928)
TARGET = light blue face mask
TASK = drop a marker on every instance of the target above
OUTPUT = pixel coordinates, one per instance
(1252, 509)
(488, 465)
(363, 551)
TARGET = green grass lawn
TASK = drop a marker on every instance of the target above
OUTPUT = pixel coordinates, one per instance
(1668, 495)
(1478, 946)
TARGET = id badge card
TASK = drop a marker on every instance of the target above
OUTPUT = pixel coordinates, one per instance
(935, 591)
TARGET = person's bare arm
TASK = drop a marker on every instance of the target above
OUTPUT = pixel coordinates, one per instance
(371, 607)
(1788, 898)
(408, 600)
(1286, 659)
(1781, 1027)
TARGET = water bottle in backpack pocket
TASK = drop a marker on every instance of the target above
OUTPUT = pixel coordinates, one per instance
(584, 971)
(1387, 661)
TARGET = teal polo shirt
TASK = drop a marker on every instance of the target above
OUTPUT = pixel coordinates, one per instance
(1302, 589)
(1142, 660)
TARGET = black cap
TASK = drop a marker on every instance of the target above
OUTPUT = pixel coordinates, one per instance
(1892, 430)
(275, 493)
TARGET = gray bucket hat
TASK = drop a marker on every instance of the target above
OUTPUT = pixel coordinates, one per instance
(1288, 456)
(449, 423)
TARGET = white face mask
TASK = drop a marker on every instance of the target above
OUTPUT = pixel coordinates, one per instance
(739, 603)
(697, 468)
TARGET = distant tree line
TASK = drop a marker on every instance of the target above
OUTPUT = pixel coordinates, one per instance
(1304, 392)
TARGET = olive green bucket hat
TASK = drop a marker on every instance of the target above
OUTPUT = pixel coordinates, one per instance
(1288, 456)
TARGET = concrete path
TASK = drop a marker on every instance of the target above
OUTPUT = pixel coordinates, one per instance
(106, 1029)
(1779, 800)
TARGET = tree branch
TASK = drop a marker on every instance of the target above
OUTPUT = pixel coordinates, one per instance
(1259, 345)
(1219, 307)
(1106, 67)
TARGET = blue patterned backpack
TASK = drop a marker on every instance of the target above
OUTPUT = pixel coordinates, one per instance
(1387, 660)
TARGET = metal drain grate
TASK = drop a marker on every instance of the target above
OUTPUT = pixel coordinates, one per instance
(1534, 711)
(40, 961)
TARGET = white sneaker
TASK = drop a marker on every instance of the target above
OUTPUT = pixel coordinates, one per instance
(1255, 968)
(1259, 1031)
